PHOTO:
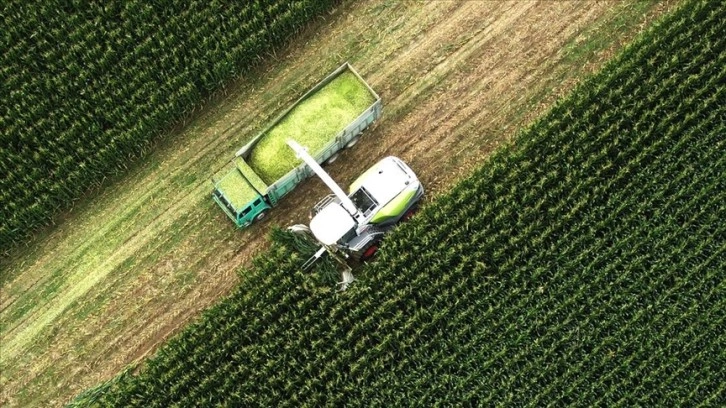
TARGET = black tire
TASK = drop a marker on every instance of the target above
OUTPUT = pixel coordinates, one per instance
(332, 159)
(369, 251)
(261, 216)
(352, 142)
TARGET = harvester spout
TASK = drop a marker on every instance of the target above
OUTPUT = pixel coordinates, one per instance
(303, 154)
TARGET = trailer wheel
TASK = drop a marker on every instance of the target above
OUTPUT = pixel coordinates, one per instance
(352, 142)
(261, 216)
(369, 251)
(332, 159)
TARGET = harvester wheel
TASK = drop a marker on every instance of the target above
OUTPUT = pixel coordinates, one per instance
(369, 251)
(332, 159)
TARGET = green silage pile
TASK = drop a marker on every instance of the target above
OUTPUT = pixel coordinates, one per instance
(313, 123)
(236, 189)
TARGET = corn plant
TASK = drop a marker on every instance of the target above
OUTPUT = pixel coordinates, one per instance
(87, 89)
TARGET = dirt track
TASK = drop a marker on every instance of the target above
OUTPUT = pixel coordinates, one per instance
(127, 270)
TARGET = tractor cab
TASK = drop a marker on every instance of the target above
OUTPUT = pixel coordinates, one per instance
(381, 196)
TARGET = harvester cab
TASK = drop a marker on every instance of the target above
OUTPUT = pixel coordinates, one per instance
(353, 224)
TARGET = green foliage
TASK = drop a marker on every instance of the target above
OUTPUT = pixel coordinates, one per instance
(583, 265)
(88, 87)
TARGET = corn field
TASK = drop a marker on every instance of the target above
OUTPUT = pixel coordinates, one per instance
(88, 87)
(582, 265)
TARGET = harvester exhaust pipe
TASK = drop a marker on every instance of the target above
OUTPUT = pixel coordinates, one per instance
(303, 154)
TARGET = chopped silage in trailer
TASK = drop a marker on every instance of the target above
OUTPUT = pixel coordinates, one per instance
(312, 123)
(238, 191)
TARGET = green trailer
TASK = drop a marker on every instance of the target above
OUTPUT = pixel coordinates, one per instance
(327, 118)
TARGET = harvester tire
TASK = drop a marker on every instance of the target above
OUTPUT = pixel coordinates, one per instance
(369, 251)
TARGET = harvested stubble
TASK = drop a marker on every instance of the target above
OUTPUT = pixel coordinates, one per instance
(313, 123)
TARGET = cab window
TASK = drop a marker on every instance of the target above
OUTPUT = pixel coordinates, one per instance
(245, 212)
(363, 201)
